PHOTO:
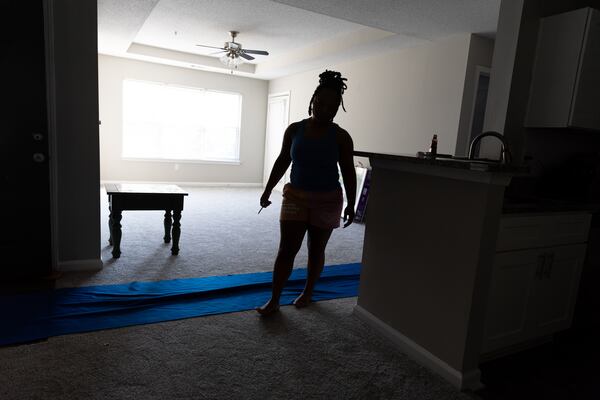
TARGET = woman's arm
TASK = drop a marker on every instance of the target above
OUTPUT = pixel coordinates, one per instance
(348, 174)
(280, 166)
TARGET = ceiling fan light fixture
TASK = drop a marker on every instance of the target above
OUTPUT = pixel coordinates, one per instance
(231, 61)
(234, 53)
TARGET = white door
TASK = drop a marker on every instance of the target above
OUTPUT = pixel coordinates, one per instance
(277, 121)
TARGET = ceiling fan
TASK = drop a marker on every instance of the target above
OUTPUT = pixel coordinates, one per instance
(234, 53)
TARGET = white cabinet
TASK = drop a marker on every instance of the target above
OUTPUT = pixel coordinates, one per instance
(535, 277)
(526, 231)
(555, 291)
(509, 301)
(565, 86)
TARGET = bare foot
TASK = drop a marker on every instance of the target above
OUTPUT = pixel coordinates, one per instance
(268, 308)
(303, 300)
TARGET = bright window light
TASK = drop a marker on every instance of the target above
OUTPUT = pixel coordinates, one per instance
(167, 122)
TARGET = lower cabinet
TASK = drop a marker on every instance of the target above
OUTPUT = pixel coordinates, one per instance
(555, 292)
(533, 290)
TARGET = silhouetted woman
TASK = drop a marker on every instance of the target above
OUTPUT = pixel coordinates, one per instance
(313, 199)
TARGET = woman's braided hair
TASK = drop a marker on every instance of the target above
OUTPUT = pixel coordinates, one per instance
(331, 80)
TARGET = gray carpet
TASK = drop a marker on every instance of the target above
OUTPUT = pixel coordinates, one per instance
(221, 234)
(321, 352)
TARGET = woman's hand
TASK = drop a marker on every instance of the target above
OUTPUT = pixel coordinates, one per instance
(348, 215)
(264, 199)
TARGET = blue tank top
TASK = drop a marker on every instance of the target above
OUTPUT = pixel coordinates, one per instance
(314, 160)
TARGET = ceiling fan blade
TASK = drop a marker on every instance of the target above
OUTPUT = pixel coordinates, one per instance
(211, 47)
(217, 52)
(246, 56)
(260, 52)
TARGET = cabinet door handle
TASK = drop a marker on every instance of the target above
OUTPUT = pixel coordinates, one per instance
(550, 263)
(540, 267)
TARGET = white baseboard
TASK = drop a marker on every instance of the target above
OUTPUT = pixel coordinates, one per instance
(193, 184)
(468, 380)
(80, 265)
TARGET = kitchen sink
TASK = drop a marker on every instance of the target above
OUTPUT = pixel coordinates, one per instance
(467, 159)
(482, 160)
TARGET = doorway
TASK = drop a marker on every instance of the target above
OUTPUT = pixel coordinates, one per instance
(482, 84)
(278, 106)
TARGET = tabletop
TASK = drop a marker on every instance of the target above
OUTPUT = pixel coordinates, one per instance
(143, 188)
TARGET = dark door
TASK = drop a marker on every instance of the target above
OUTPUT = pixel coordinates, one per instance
(24, 169)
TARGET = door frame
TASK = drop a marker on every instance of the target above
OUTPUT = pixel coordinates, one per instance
(479, 70)
(267, 138)
(48, 6)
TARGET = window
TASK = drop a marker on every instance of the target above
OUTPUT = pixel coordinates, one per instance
(167, 122)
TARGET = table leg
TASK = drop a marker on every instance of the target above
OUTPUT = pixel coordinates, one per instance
(110, 227)
(167, 222)
(176, 232)
(116, 233)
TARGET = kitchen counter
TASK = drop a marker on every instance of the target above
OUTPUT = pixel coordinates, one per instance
(428, 251)
(510, 205)
(459, 163)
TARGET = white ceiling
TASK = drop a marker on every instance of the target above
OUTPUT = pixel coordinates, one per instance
(298, 34)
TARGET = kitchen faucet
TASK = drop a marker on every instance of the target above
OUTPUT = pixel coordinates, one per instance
(505, 156)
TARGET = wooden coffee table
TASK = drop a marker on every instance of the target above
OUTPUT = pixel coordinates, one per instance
(129, 196)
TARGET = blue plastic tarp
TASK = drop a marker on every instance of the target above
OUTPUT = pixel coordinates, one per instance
(38, 315)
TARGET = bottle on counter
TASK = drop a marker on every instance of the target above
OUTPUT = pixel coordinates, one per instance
(433, 148)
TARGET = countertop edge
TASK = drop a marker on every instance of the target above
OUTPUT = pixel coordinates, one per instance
(470, 165)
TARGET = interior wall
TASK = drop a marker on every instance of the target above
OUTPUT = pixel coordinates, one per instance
(395, 101)
(503, 62)
(113, 70)
(75, 99)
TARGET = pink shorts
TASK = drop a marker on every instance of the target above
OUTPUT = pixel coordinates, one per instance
(320, 209)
